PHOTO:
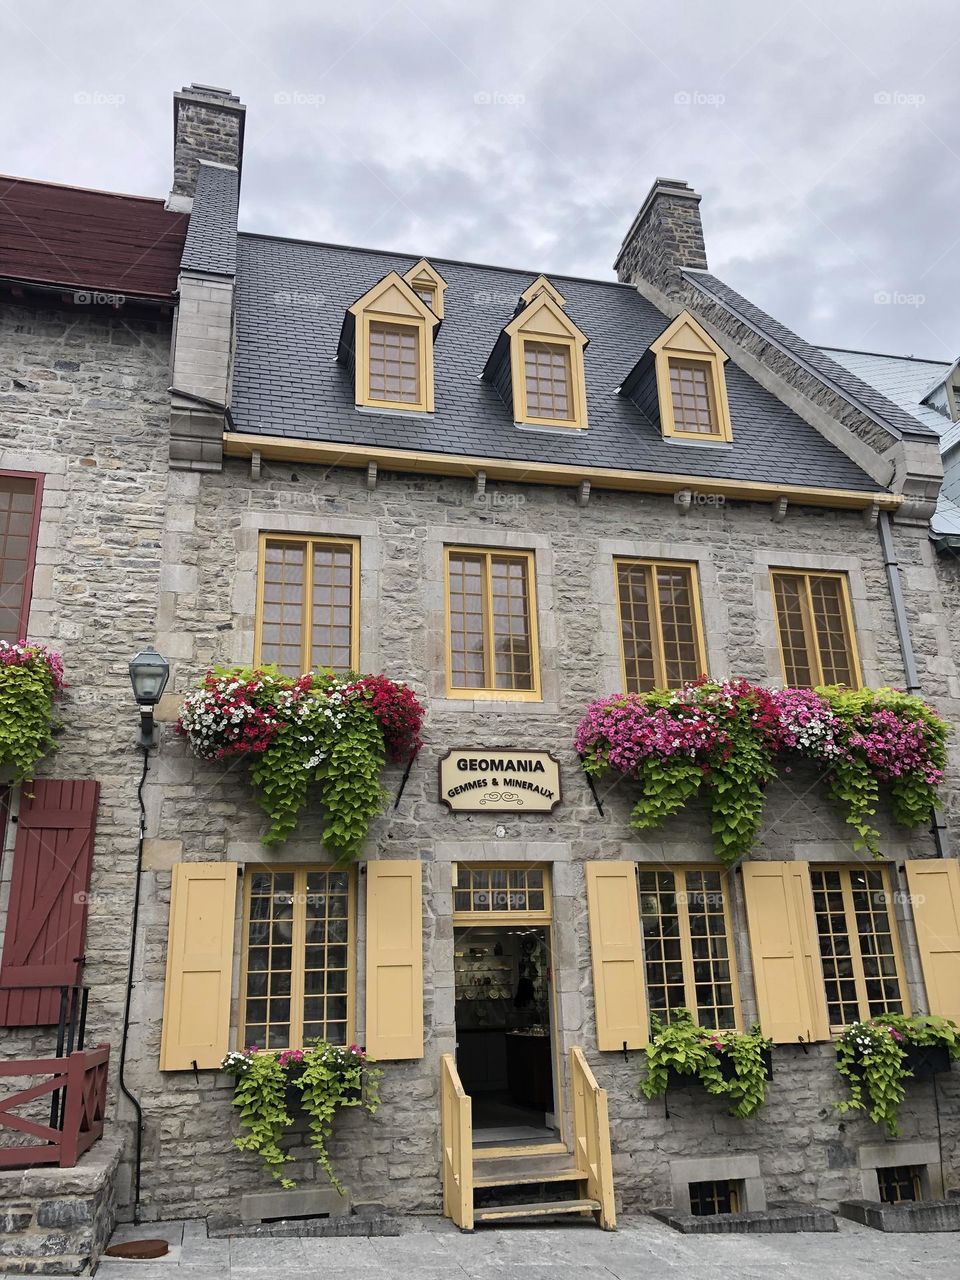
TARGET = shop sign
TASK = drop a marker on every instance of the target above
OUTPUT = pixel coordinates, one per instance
(500, 780)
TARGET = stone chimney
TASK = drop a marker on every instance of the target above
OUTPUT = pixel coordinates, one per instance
(666, 236)
(207, 125)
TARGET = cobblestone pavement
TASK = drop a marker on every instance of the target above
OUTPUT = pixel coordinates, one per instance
(642, 1248)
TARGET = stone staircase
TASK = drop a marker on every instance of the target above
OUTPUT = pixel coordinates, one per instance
(57, 1221)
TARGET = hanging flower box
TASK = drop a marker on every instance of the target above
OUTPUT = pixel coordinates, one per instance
(880, 1058)
(31, 681)
(730, 738)
(318, 1081)
(327, 732)
(731, 1064)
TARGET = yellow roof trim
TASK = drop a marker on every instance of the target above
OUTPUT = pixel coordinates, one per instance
(322, 453)
(542, 285)
(382, 289)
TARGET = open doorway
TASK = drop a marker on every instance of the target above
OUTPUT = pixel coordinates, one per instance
(505, 1008)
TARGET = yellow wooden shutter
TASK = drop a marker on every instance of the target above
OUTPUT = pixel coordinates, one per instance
(786, 953)
(934, 885)
(619, 991)
(394, 960)
(196, 998)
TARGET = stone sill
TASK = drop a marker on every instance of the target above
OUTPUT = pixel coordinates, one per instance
(790, 1216)
(921, 1216)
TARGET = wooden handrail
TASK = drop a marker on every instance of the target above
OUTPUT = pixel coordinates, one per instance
(83, 1077)
(591, 1137)
(456, 1139)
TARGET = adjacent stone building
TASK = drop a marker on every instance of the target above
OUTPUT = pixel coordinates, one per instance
(517, 494)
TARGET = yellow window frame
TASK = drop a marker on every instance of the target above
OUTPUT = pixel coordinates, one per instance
(423, 277)
(659, 660)
(853, 936)
(574, 357)
(812, 641)
(306, 644)
(489, 692)
(298, 944)
(465, 919)
(679, 873)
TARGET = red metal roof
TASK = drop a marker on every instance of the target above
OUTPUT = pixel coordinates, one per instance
(89, 240)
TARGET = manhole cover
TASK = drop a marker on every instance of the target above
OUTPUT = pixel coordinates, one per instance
(138, 1249)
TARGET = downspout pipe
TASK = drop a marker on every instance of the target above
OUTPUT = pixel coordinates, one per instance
(891, 565)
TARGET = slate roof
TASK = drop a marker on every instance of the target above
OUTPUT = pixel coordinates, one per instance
(211, 245)
(847, 383)
(292, 296)
(906, 381)
(902, 379)
(93, 241)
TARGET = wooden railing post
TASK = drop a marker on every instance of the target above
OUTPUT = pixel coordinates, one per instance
(456, 1140)
(591, 1137)
(73, 1109)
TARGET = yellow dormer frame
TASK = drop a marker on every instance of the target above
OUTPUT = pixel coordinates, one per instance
(686, 341)
(542, 285)
(424, 278)
(393, 302)
(544, 321)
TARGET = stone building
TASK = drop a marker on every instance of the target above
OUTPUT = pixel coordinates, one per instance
(518, 494)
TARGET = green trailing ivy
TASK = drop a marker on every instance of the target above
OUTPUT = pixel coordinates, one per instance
(320, 1081)
(729, 1064)
(872, 1058)
(324, 733)
(31, 680)
(727, 739)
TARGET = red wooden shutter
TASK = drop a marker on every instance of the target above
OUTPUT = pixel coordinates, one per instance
(47, 914)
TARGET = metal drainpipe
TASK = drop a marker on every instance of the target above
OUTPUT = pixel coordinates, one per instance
(891, 564)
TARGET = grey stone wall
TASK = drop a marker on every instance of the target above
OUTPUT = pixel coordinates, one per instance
(83, 399)
(201, 811)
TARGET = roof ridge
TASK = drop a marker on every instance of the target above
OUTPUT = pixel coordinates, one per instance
(882, 355)
(93, 191)
(455, 262)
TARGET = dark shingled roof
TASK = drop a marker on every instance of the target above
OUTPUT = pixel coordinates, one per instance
(863, 395)
(291, 301)
(89, 240)
(211, 245)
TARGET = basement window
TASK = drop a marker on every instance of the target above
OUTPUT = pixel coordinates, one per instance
(708, 1199)
(900, 1184)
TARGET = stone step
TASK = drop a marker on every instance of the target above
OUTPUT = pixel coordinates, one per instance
(543, 1209)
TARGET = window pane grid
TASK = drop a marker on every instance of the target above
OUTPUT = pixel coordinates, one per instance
(490, 625)
(899, 1184)
(691, 390)
(659, 635)
(858, 950)
(313, 580)
(394, 362)
(297, 985)
(17, 497)
(710, 1198)
(546, 369)
(687, 947)
(481, 890)
(814, 627)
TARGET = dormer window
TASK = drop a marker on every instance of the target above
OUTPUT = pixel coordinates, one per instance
(547, 380)
(387, 343)
(679, 383)
(393, 369)
(428, 284)
(691, 391)
(537, 362)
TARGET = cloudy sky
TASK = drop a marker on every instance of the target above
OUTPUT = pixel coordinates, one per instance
(822, 135)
